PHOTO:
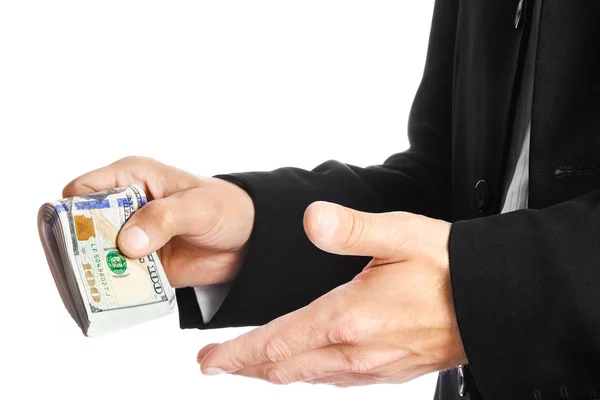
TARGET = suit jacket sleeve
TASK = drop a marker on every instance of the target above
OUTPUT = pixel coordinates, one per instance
(283, 270)
(526, 287)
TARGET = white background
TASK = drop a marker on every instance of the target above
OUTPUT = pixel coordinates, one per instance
(211, 87)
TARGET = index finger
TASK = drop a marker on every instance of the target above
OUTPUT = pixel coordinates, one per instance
(156, 179)
(311, 327)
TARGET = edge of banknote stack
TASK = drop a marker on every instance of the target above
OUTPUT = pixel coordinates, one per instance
(102, 290)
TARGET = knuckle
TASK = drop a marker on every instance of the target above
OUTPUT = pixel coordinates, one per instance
(213, 216)
(358, 364)
(237, 363)
(275, 350)
(357, 228)
(409, 223)
(72, 186)
(77, 187)
(345, 331)
(277, 376)
(136, 160)
(161, 216)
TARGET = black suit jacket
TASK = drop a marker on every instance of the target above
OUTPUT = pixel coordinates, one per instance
(526, 284)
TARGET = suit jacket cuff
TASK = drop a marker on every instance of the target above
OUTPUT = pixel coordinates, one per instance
(488, 286)
(525, 295)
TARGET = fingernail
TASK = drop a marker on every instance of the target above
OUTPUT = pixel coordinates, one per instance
(135, 238)
(212, 371)
(327, 221)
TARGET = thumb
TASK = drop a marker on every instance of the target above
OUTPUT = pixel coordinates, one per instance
(152, 226)
(340, 230)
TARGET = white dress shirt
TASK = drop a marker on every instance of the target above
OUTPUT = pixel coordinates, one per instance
(516, 191)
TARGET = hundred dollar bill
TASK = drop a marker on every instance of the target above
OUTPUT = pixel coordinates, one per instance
(101, 288)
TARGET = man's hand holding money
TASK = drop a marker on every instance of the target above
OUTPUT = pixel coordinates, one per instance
(198, 226)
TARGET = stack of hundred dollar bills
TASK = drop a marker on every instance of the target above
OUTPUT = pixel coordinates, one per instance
(102, 289)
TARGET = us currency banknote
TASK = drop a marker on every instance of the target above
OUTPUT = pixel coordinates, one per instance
(101, 288)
